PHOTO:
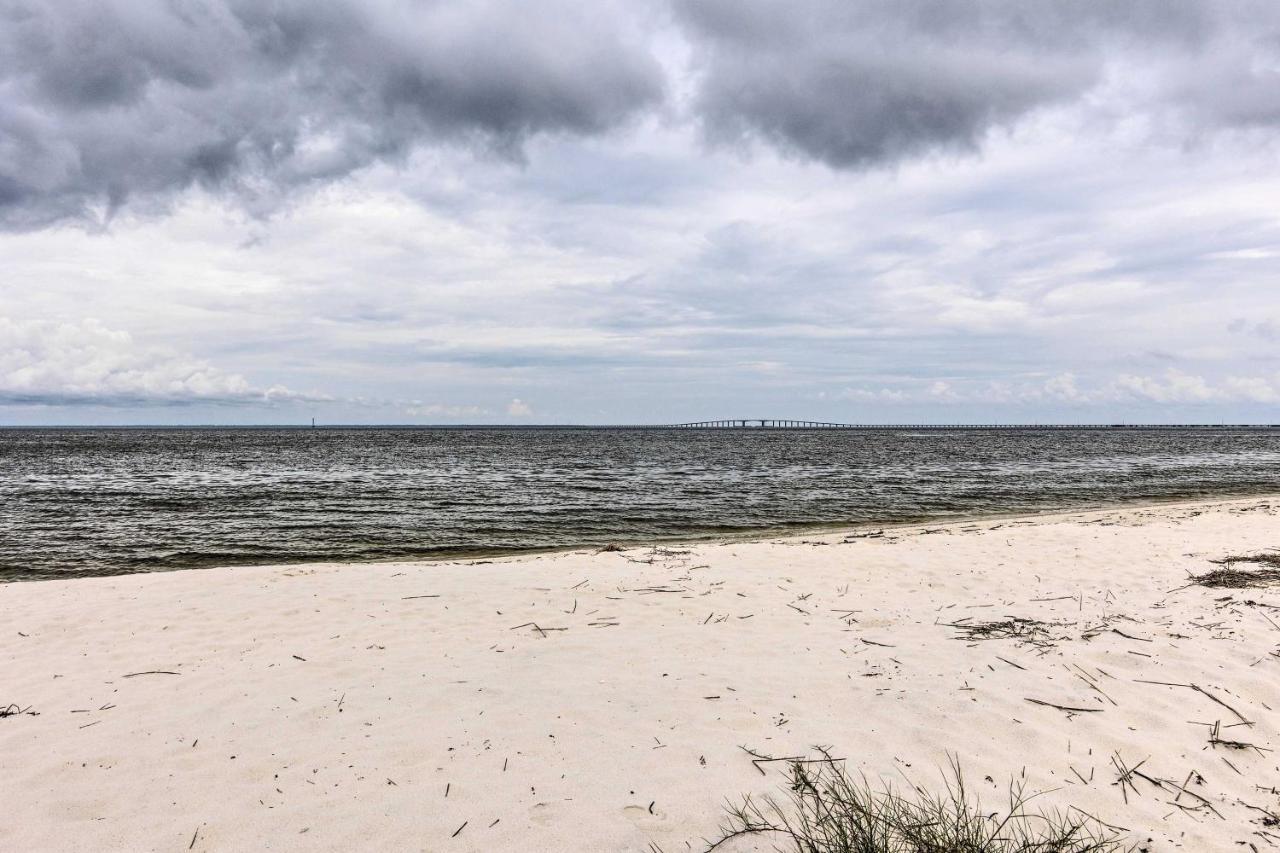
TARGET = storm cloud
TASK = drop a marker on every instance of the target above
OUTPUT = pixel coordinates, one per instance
(873, 82)
(101, 102)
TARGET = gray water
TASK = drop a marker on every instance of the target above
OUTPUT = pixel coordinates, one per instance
(107, 501)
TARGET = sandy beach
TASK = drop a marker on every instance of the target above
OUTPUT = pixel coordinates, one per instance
(602, 700)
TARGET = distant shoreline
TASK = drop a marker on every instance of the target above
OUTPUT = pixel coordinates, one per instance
(667, 427)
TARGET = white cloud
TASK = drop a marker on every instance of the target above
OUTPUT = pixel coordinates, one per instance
(517, 408)
(941, 390)
(1063, 387)
(47, 363)
(1170, 387)
(1243, 255)
(864, 395)
(1174, 387)
(435, 410)
(1253, 389)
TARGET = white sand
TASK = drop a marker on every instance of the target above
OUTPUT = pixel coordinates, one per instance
(325, 707)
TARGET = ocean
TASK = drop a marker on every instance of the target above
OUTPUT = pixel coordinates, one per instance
(76, 502)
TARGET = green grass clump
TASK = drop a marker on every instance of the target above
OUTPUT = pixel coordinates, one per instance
(829, 811)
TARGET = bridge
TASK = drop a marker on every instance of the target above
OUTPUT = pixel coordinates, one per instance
(760, 423)
(769, 423)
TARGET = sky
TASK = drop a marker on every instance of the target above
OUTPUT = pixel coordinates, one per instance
(650, 211)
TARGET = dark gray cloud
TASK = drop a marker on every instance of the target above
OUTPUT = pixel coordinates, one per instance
(104, 101)
(875, 81)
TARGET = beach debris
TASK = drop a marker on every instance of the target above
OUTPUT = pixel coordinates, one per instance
(758, 758)
(535, 626)
(1269, 818)
(1230, 577)
(1216, 740)
(1128, 774)
(14, 710)
(1068, 709)
(1017, 628)
(151, 672)
(1197, 688)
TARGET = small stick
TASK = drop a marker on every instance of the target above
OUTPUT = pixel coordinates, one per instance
(1067, 708)
(151, 672)
(1201, 690)
(1103, 822)
(1182, 789)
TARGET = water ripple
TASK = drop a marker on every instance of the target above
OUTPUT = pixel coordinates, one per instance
(91, 502)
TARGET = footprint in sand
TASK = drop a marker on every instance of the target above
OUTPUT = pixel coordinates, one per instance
(645, 817)
(540, 813)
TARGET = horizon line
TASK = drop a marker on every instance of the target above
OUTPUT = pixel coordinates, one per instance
(727, 424)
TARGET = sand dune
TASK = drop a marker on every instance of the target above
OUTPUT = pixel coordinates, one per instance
(600, 701)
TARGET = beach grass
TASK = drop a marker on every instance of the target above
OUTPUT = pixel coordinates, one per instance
(829, 810)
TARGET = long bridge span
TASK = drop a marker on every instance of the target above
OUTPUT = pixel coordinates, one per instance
(761, 423)
(771, 423)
